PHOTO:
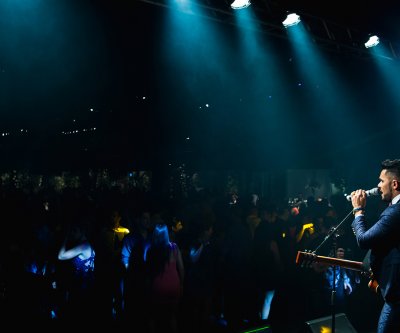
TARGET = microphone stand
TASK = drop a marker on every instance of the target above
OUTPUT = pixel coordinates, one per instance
(333, 293)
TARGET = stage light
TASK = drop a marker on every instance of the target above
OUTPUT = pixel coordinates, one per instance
(291, 19)
(372, 41)
(240, 4)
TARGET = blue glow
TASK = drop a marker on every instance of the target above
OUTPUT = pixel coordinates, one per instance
(389, 71)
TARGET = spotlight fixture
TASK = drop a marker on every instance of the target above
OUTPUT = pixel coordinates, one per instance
(240, 4)
(372, 41)
(291, 19)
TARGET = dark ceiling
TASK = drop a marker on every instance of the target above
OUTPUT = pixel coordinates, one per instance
(59, 60)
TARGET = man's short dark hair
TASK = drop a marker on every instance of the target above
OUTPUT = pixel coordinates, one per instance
(392, 166)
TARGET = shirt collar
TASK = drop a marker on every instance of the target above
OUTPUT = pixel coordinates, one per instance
(396, 199)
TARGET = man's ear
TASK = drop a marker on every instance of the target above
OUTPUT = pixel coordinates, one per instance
(396, 185)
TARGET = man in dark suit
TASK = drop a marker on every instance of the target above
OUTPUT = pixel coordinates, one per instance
(383, 238)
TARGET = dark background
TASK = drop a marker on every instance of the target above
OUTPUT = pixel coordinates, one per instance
(59, 59)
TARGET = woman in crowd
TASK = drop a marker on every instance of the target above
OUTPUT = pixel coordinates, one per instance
(78, 280)
(166, 274)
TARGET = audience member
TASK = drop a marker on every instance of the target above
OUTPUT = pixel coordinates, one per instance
(166, 275)
(79, 278)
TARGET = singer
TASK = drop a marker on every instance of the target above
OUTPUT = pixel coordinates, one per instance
(383, 238)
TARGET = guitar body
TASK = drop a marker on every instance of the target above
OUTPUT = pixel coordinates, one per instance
(307, 258)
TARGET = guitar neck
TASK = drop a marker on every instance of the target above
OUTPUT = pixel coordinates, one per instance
(349, 264)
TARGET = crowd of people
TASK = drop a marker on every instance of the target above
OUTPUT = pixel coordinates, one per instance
(200, 264)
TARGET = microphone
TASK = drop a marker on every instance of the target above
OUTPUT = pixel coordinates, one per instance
(370, 193)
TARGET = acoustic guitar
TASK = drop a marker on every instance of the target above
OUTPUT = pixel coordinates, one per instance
(305, 259)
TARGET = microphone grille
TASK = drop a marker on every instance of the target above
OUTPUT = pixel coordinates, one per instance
(374, 191)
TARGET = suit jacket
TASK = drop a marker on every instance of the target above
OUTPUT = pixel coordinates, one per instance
(383, 238)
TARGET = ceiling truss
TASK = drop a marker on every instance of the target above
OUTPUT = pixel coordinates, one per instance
(268, 15)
